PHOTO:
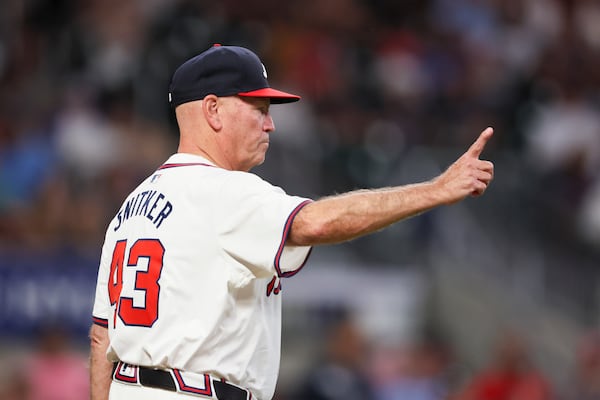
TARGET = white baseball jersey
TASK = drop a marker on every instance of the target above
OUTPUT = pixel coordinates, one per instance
(190, 272)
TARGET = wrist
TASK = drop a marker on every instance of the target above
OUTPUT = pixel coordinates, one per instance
(437, 192)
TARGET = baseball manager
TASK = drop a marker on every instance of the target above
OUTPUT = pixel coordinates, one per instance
(188, 301)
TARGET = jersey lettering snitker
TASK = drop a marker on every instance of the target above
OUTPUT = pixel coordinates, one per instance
(190, 271)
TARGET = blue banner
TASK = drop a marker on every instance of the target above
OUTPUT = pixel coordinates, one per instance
(34, 297)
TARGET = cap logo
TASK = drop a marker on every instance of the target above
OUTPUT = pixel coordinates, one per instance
(264, 70)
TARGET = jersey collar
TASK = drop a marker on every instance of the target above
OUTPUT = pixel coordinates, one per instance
(183, 159)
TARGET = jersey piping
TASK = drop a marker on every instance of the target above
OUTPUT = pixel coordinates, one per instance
(286, 231)
(100, 321)
(165, 166)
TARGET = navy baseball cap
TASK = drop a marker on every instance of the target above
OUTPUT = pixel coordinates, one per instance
(224, 71)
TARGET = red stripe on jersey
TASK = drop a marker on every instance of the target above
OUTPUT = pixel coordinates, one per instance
(286, 232)
(100, 321)
(165, 166)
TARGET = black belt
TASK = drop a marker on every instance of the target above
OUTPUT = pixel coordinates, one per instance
(161, 379)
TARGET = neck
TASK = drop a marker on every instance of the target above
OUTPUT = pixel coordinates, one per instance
(197, 136)
(199, 151)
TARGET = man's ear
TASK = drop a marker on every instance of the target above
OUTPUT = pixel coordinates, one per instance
(210, 109)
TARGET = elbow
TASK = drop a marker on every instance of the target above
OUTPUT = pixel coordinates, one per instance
(316, 224)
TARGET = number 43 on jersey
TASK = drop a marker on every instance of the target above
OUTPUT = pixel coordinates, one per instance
(146, 281)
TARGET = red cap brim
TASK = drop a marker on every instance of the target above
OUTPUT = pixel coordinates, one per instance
(276, 96)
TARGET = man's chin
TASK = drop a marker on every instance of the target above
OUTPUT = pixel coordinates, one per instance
(257, 163)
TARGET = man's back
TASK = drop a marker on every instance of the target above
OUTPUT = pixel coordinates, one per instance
(189, 288)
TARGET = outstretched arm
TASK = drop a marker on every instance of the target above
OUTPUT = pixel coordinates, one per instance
(350, 215)
(100, 367)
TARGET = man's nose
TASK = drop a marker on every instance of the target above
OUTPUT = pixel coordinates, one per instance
(269, 124)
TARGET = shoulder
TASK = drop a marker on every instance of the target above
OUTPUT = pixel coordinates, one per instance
(247, 182)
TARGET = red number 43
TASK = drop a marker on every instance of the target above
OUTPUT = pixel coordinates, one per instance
(145, 281)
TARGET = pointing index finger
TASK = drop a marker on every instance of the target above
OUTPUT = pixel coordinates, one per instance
(477, 147)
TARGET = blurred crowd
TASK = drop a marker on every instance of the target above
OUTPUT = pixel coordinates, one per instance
(84, 117)
(349, 366)
(84, 113)
(352, 368)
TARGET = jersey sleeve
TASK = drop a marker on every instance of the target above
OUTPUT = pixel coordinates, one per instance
(102, 308)
(254, 220)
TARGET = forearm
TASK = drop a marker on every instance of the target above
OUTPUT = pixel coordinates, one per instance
(100, 367)
(344, 217)
(340, 218)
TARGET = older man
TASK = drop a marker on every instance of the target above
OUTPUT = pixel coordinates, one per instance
(187, 301)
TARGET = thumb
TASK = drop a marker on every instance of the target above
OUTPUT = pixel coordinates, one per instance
(477, 147)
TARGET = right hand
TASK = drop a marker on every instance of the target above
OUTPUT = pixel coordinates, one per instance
(468, 175)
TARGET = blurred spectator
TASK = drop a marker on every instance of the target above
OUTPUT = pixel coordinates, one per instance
(340, 375)
(585, 384)
(588, 215)
(566, 129)
(418, 372)
(13, 386)
(55, 371)
(564, 145)
(509, 376)
(26, 161)
(87, 142)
